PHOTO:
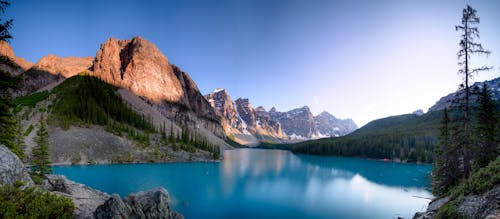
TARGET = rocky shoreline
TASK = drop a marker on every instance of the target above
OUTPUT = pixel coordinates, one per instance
(90, 203)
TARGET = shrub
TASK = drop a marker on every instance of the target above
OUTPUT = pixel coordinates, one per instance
(33, 202)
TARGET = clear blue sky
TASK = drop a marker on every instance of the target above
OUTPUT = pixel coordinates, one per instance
(356, 59)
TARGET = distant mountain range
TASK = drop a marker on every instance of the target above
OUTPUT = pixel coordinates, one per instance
(408, 137)
(250, 126)
(446, 101)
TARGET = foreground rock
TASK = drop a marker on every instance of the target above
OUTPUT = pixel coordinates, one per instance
(12, 170)
(91, 203)
(486, 205)
(85, 199)
(149, 204)
(433, 208)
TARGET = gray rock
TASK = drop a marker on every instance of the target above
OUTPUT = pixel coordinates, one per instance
(433, 208)
(481, 206)
(85, 199)
(113, 208)
(150, 204)
(12, 169)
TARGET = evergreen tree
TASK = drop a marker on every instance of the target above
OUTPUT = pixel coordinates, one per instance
(468, 46)
(486, 147)
(446, 172)
(41, 159)
(7, 82)
(5, 26)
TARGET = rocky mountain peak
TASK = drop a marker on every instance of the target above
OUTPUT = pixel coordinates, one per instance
(260, 109)
(245, 110)
(446, 101)
(139, 66)
(66, 67)
(330, 126)
(6, 50)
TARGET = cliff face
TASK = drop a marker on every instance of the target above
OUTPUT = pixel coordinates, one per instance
(139, 66)
(330, 126)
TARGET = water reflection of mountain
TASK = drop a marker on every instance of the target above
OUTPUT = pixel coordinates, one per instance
(385, 173)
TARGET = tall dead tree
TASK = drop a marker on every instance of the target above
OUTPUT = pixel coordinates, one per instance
(468, 47)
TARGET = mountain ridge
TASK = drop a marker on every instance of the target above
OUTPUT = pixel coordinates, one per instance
(251, 126)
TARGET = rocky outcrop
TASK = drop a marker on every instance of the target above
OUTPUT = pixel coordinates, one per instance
(91, 203)
(432, 208)
(66, 67)
(85, 199)
(446, 101)
(297, 124)
(52, 69)
(486, 205)
(221, 102)
(330, 126)
(150, 204)
(20, 64)
(140, 67)
(12, 169)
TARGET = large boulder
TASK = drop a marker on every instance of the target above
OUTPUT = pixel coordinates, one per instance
(12, 169)
(481, 206)
(150, 204)
(85, 199)
(433, 208)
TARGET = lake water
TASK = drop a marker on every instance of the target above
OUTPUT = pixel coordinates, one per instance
(253, 183)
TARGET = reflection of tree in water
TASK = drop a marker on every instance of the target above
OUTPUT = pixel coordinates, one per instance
(385, 173)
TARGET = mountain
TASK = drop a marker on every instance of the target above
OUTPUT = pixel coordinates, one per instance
(410, 137)
(128, 104)
(251, 126)
(22, 64)
(234, 126)
(446, 101)
(329, 126)
(50, 70)
(297, 124)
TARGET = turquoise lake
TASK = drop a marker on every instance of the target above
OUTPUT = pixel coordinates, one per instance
(254, 183)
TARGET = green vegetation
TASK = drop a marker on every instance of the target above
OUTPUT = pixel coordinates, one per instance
(479, 182)
(33, 202)
(485, 134)
(484, 178)
(7, 121)
(84, 99)
(406, 137)
(30, 100)
(41, 159)
(28, 130)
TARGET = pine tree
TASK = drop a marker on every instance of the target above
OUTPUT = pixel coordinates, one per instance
(5, 26)
(41, 159)
(446, 172)
(468, 46)
(486, 147)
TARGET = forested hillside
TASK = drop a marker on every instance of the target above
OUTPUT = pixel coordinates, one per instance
(407, 137)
